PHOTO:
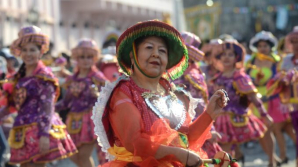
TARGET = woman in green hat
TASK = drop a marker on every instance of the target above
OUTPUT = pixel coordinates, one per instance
(142, 119)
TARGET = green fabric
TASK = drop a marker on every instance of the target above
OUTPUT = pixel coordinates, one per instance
(184, 139)
(217, 161)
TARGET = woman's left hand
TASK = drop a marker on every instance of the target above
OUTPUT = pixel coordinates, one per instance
(215, 136)
(44, 144)
(218, 101)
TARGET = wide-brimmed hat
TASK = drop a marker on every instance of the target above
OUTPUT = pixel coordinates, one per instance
(193, 43)
(263, 36)
(85, 46)
(27, 35)
(177, 51)
(236, 47)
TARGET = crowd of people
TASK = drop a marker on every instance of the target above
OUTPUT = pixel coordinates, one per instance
(153, 97)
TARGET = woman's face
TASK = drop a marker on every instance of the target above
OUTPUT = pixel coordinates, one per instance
(152, 55)
(228, 58)
(30, 54)
(264, 48)
(85, 61)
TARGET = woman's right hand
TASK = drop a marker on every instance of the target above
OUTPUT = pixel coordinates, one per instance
(217, 101)
(189, 158)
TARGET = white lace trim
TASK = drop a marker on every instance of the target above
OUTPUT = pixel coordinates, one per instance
(193, 102)
(97, 113)
(101, 103)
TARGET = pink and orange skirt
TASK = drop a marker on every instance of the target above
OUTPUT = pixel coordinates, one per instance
(81, 127)
(239, 128)
(24, 144)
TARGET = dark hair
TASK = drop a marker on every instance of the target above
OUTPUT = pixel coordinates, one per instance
(22, 70)
(235, 53)
(271, 44)
(244, 101)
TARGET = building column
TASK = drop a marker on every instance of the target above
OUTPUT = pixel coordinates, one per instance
(55, 7)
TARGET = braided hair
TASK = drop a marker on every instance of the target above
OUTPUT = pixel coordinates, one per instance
(21, 72)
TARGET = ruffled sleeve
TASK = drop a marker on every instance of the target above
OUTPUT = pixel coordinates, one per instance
(243, 84)
(47, 97)
(197, 81)
(127, 124)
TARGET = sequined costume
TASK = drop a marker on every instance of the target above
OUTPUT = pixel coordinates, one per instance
(289, 93)
(194, 81)
(155, 119)
(33, 97)
(264, 73)
(236, 124)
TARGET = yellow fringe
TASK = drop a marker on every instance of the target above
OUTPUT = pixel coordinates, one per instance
(238, 91)
(197, 86)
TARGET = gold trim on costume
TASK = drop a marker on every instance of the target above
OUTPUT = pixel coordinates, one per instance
(197, 86)
(16, 137)
(238, 91)
(56, 131)
(75, 119)
(236, 116)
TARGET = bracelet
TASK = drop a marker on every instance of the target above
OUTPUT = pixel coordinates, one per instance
(187, 158)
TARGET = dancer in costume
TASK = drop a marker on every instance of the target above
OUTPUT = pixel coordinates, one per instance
(236, 125)
(62, 74)
(194, 82)
(142, 119)
(38, 136)
(210, 69)
(262, 68)
(289, 88)
(82, 91)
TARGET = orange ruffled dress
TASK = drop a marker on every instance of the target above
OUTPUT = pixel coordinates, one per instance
(146, 124)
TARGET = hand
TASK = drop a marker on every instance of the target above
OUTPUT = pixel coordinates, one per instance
(218, 101)
(268, 121)
(189, 158)
(94, 90)
(44, 144)
(215, 135)
(182, 86)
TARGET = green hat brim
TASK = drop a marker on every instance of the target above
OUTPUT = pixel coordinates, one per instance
(177, 51)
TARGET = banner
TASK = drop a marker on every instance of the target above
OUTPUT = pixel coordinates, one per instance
(203, 20)
(269, 9)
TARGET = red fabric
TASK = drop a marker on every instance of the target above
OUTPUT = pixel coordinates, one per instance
(132, 124)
